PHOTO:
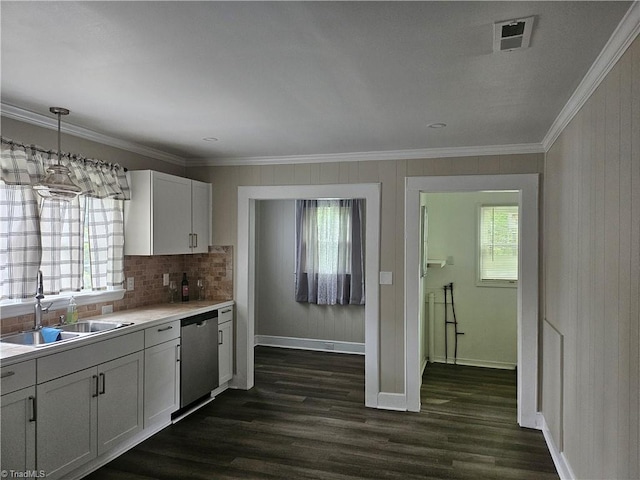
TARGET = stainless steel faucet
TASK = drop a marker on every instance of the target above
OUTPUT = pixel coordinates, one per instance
(38, 306)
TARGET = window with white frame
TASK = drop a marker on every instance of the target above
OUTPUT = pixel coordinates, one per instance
(498, 244)
(78, 245)
(329, 251)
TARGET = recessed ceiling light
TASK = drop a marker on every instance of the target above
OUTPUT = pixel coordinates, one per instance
(210, 139)
(437, 125)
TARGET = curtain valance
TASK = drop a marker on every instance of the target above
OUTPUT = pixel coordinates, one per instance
(27, 165)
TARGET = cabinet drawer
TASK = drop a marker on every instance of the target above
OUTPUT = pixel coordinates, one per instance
(64, 363)
(161, 333)
(225, 315)
(17, 376)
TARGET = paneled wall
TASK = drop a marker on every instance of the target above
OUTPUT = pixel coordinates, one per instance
(277, 312)
(592, 277)
(391, 174)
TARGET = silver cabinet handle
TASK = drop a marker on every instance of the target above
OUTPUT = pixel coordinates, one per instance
(95, 393)
(196, 237)
(32, 404)
(104, 384)
(225, 311)
(178, 353)
(220, 337)
(165, 329)
(8, 374)
(191, 240)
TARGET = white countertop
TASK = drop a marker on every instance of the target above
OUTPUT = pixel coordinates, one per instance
(141, 318)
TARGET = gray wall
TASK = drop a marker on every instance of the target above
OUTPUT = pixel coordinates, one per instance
(391, 175)
(277, 312)
(47, 138)
(592, 280)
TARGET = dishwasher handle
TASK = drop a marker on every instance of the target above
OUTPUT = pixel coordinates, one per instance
(200, 319)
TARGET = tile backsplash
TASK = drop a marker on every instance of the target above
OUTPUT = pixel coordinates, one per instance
(215, 268)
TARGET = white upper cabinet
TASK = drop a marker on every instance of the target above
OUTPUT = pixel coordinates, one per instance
(166, 214)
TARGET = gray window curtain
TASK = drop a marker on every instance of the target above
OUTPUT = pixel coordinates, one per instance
(50, 234)
(330, 252)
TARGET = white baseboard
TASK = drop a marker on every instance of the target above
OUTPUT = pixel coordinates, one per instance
(559, 460)
(392, 401)
(310, 344)
(470, 362)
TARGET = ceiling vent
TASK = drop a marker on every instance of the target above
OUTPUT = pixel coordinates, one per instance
(512, 34)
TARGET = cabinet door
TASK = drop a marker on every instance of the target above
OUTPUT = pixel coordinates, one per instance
(66, 433)
(225, 351)
(120, 400)
(171, 214)
(161, 382)
(18, 434)
(200, 216)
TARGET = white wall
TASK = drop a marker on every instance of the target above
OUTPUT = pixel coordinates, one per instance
(486, 315)
(277, 312)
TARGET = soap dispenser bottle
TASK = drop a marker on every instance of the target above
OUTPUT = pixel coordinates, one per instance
(72, 311)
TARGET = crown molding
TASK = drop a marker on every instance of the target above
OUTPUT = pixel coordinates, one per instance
(22, 115)
(624, 34)
(522, 148)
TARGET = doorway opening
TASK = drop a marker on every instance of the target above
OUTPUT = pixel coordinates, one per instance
(468, 291)
(245, 279)
(526, 187)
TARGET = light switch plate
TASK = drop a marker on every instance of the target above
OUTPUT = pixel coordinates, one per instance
(386, 278)
(130, 283)
(165, 279)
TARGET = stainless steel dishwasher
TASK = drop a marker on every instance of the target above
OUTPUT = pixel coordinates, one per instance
(199, 356)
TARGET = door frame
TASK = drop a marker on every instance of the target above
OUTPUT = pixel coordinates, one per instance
(528, 286)
(245, 277)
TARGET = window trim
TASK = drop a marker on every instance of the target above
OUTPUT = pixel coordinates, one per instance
(494, 283)
(25, 306)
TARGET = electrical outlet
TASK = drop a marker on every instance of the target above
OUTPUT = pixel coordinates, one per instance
(165, 279)
(130, 283)
(107, 309)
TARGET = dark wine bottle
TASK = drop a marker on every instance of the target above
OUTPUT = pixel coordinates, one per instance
(185, 288)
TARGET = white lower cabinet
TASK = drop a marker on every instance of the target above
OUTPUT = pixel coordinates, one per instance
(120, 400)
(68, 422)
(225, 345)
(161, 382)
(18, 427)
(86, 413)
(18, 417)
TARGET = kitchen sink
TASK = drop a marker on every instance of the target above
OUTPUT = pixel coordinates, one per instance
(35, 338)
(92, 326)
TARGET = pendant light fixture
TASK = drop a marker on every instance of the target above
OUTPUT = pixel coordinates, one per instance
(58, 184)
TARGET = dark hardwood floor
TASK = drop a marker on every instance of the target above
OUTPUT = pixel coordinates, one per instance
(305, 419)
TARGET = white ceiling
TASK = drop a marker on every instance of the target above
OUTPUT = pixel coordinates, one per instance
(299, 78)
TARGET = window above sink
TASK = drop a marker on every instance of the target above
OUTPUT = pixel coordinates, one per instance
(13, 308)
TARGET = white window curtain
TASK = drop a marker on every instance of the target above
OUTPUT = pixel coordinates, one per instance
(50, 234)
(330, 252)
